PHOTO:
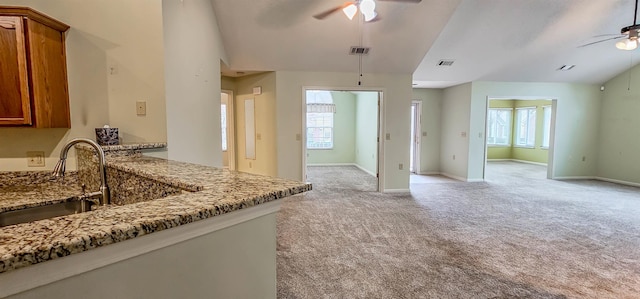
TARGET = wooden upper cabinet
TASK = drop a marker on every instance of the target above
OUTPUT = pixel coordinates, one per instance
(33, 70)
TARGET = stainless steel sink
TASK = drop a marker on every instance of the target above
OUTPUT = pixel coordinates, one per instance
(44, 212)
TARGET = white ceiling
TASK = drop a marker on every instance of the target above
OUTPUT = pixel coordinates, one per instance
(489, 40)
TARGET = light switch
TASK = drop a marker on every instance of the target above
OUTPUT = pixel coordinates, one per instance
(424, 134)
(259, 136)
(388, 136)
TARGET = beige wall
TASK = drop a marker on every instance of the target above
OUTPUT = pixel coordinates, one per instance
(123, 34)
(265, 123)
(396, 108)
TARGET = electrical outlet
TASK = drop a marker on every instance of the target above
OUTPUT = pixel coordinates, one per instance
(35, 159)
(141, 108)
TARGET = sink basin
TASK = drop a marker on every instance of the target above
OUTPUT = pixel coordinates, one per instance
(44, 212)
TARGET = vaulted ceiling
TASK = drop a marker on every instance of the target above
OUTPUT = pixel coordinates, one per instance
(488, 40)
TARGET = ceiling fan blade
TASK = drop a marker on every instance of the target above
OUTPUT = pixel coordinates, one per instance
(405, 1)
(604, 40)
(325, 14)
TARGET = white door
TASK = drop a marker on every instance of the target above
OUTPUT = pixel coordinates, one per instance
(414, 149)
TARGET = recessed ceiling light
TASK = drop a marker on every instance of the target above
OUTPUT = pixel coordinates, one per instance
(566, 67)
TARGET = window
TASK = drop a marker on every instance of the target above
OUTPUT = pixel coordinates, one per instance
(546, 126)
(320, 110)
(499, 126)
(223, 120)
(525, 127)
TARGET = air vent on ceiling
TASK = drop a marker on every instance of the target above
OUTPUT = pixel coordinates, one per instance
(357, 50)
(566, 67)
(445, 62)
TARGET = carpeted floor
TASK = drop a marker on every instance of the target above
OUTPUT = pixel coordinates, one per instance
(517, 235)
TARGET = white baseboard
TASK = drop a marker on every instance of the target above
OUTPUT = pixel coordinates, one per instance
(455, 177)
(474, 180)
(516, 160)
(396, 191)
(562, 178)
(429, 173)
(627, 183)
(363, 169)
(332, 164)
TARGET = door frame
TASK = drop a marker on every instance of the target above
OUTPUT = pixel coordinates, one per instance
(231, 129)
(552, 131)
(417, 130)
(381, 127)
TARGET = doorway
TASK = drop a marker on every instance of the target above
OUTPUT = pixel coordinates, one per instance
(414, 148)
(519, 131)
(341, 142)
(228, 129)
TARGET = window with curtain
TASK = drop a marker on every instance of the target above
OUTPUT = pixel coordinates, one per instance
(499, 126)
(546, 126)
(525, 127)
(223, 124)
(320, 111)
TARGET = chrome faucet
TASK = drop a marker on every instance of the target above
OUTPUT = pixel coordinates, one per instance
(58, 171)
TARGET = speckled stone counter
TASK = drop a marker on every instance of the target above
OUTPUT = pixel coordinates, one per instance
(19, 190)
(220, 191)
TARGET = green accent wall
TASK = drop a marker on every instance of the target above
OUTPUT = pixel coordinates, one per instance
(344, 133)
(537, 153)
(366, 131)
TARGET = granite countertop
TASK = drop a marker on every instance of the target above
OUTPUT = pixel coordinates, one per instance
(217, 191)
(19, 190)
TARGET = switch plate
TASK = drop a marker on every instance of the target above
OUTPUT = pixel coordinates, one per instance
(298, 137)
(400, 166)
(424, 134)
(259, 136)
(388, 136)
(141, 108)
(35, 159)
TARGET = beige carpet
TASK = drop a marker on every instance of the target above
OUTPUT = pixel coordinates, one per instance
(517, 235)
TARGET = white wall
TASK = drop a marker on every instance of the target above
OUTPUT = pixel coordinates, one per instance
(193, 50)
(576, 130)
(366, 135)
(455, 131)
(618, 145)
(431, 119)
(396, 109)
(121, 33)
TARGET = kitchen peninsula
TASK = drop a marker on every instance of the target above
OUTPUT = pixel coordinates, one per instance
(195, 231)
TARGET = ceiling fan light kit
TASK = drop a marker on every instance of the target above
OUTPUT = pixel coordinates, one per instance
(631, 42)
(366, 7)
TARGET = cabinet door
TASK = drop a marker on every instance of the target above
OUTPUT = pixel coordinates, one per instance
(14, 86)
(48, 75)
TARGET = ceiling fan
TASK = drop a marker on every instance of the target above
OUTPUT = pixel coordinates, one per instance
(366, 7)
(629, 33)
